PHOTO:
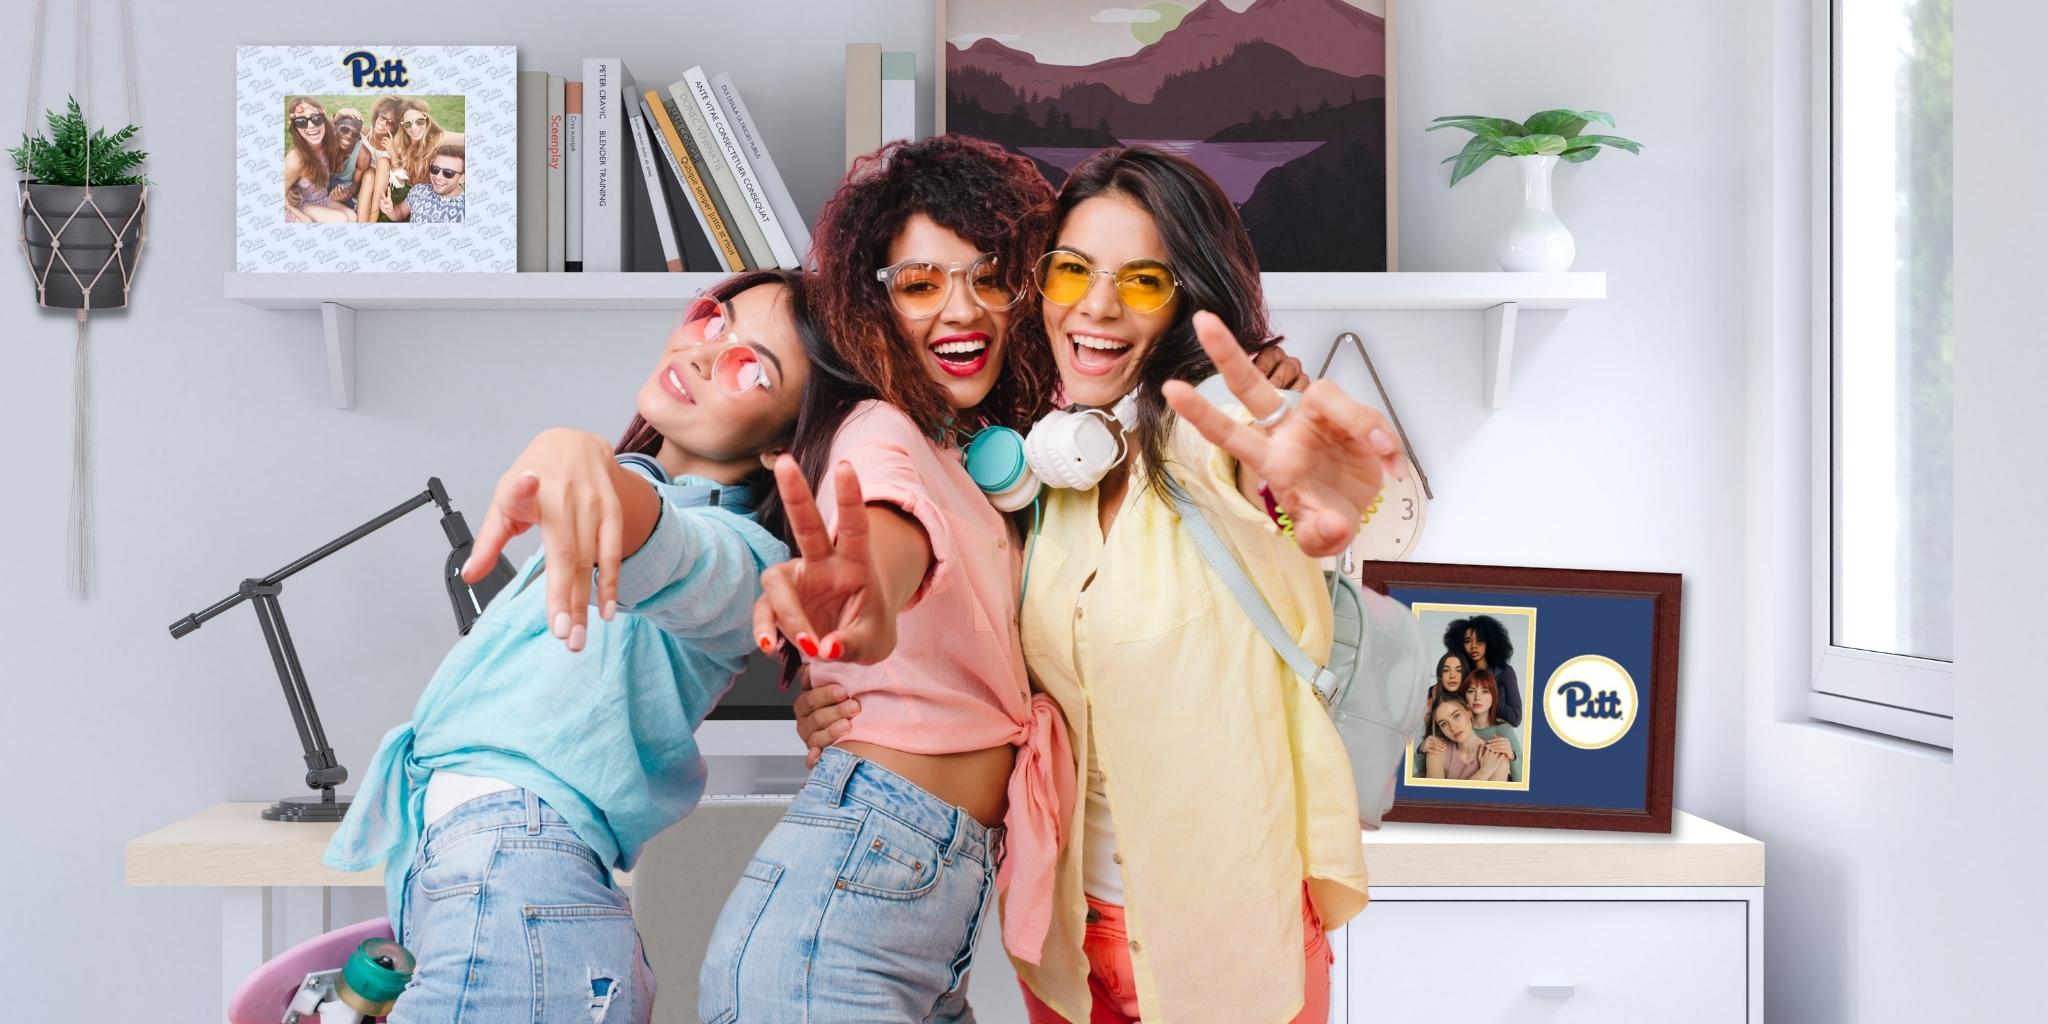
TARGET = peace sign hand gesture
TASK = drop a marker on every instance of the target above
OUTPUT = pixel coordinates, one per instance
(831, 584)
(1324, 460)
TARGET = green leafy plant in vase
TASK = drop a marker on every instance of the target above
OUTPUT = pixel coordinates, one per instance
(82, 208)
(1537, 240)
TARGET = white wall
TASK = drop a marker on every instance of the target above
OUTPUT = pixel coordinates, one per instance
(218, 455)
(1899, 878)
(1619, 446)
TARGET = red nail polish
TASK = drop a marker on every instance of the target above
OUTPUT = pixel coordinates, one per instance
(767, 644)
(810, 646)
(837, 650)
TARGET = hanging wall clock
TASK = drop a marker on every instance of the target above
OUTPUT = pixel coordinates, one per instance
(1396, 523)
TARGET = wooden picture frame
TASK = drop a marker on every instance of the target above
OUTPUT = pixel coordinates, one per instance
(1597, 752)
(1389, 142)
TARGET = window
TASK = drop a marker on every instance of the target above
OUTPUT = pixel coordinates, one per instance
(1883, 571)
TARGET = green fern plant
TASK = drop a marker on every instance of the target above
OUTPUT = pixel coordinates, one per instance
(60, 157)
(1545, 133)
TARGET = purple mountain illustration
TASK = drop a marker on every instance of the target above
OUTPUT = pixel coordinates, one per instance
(1283, 104)
(1327, 34)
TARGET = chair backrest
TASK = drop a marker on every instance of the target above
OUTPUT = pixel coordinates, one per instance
(266, 994)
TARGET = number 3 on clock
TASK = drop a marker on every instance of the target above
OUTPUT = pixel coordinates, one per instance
(1393, 531)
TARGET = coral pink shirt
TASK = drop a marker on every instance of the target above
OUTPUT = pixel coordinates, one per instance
(956, 681)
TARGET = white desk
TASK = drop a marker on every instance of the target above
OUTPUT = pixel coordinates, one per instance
(1606, 925)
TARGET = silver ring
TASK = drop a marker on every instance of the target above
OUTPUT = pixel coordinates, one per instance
(1288, 400)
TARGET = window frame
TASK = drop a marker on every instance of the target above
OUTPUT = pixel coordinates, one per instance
(1904, 697)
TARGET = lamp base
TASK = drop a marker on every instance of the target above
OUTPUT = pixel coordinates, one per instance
(299, 808)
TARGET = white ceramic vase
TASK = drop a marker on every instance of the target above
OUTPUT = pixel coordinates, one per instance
(1537, 240)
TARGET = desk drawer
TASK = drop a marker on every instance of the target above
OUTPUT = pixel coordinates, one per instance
(1557, 962)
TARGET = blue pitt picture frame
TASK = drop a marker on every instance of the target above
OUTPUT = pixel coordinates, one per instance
(1592, 656)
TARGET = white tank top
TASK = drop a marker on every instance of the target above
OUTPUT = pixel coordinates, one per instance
(1102, 872)
(448, 790)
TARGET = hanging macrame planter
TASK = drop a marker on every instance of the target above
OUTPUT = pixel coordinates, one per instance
(82, 213)
(82, 242)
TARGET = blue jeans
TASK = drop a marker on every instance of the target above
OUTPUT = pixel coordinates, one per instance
(511, 917)
(863, 904)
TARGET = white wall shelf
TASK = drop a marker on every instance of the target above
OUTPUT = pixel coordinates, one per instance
(337, 297)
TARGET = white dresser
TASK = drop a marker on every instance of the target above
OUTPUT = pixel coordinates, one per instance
(1513, 925)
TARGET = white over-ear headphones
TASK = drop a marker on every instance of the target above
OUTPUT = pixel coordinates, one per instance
(1071, 448)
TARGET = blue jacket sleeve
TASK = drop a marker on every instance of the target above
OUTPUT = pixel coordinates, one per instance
(698, 574)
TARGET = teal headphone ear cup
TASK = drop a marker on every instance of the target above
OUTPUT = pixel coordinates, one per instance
(996, 463)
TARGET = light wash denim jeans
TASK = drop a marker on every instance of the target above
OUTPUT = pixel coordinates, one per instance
(863, 904)
(512, 918)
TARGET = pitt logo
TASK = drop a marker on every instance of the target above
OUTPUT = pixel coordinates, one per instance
(368, 74)
(1590, 702)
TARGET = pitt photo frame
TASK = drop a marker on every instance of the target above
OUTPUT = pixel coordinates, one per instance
(400, 158)
(1554, 700)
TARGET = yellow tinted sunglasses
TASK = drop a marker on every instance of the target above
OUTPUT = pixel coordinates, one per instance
(1142, 285)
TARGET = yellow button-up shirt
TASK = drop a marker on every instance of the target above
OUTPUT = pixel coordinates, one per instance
(1227, 783)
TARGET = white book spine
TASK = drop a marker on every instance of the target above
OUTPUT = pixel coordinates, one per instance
(652, 175)
(787, 216)
(557, 181)
(572, 177)
(753, 201)
(675, 167)
(604, 141)
(899, 96)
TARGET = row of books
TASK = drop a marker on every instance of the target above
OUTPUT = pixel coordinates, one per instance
(602, 156)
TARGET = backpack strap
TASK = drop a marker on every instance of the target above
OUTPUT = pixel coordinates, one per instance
(1203, 533)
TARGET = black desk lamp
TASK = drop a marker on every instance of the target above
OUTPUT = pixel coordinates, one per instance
(323, 773)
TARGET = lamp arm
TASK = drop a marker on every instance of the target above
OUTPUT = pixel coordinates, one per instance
(434, 493)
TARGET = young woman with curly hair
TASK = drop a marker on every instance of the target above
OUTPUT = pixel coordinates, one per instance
(1485, 643)
(865, 902)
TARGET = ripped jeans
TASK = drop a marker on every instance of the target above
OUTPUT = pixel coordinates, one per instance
(511, 918)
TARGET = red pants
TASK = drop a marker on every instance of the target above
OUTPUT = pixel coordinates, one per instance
(1114, 986)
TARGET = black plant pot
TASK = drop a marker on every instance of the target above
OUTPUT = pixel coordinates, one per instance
(82, 243)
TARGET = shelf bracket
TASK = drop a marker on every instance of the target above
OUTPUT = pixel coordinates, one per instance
(339, 324)
(1500, 351)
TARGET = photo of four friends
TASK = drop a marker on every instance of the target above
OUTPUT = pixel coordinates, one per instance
(1475, 731)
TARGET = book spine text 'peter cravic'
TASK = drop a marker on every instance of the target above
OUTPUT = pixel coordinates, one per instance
(608, 102)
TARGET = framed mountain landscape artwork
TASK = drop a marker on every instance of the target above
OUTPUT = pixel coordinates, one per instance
(1284, 102)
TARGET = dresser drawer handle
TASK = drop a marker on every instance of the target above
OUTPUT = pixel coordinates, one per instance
(1557, 992)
